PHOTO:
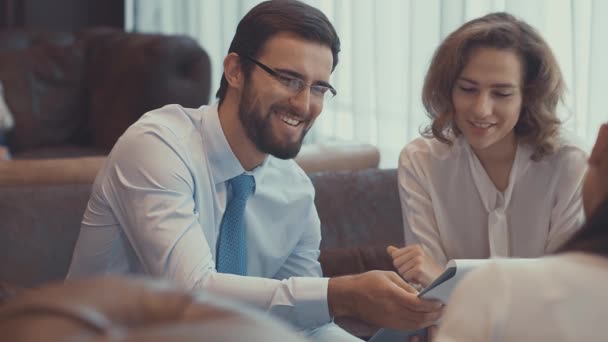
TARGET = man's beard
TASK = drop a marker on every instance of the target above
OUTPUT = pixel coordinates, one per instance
(258, 128)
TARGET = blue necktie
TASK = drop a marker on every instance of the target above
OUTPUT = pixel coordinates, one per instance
(232, 244)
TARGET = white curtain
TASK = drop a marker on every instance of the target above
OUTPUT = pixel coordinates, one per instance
(386, 48)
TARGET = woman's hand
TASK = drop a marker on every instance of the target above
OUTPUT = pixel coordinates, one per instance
(414, 265)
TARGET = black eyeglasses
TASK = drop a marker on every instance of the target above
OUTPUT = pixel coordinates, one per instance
(295, 84)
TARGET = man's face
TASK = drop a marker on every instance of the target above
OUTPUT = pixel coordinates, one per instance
(275, 117)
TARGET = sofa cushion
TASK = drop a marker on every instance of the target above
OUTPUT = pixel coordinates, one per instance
(337, 155)
(42, 88)
(358, 208)
(40, 226)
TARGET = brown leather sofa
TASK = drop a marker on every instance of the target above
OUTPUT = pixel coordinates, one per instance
(359, 211)
(74, 94)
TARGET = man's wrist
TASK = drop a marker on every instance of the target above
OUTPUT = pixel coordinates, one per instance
(341, 296)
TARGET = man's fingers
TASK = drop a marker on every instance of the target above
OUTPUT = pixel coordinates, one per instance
(430, 335)
(425, 319)
(414, 303)
(398, 298)
(408, 319)
(432, 308)
(397, 280)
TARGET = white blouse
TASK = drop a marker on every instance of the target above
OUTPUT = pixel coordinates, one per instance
(453, 209)
(556, 299)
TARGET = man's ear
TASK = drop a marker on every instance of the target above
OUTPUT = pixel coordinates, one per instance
(233, 71)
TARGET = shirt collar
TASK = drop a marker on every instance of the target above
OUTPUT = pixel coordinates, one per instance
(223, 163)
(482, 180)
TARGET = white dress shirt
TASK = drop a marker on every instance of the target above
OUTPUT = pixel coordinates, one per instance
(558, 298)
(451, 206)
(157, 205)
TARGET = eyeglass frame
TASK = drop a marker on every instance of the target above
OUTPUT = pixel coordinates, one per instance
(285, 80)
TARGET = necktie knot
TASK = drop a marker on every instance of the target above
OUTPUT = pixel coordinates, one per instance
(242, 186)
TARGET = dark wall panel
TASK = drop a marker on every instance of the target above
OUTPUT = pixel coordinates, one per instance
(61, 15)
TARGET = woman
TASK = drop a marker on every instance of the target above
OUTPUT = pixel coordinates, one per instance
(556, 298)
(493, 178)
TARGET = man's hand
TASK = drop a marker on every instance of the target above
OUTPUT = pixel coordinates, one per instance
(381, 298)
(414, 264)
(431, 332)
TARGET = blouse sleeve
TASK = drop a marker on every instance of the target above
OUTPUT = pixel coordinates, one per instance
(420, 224)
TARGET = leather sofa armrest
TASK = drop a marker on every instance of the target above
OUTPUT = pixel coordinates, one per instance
(50, 171)
(335, 156)
(82, 170)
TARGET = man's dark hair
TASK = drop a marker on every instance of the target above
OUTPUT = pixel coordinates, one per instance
(593, 237)
(277, 16)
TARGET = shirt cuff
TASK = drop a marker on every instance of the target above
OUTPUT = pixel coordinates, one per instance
(310, 295)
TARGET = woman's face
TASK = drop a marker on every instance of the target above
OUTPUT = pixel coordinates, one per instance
(487, 98)
(595, 186)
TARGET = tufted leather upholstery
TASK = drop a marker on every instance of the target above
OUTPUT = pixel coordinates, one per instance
(73, 94)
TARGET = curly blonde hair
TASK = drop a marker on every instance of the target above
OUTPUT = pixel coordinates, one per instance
(543, 86)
